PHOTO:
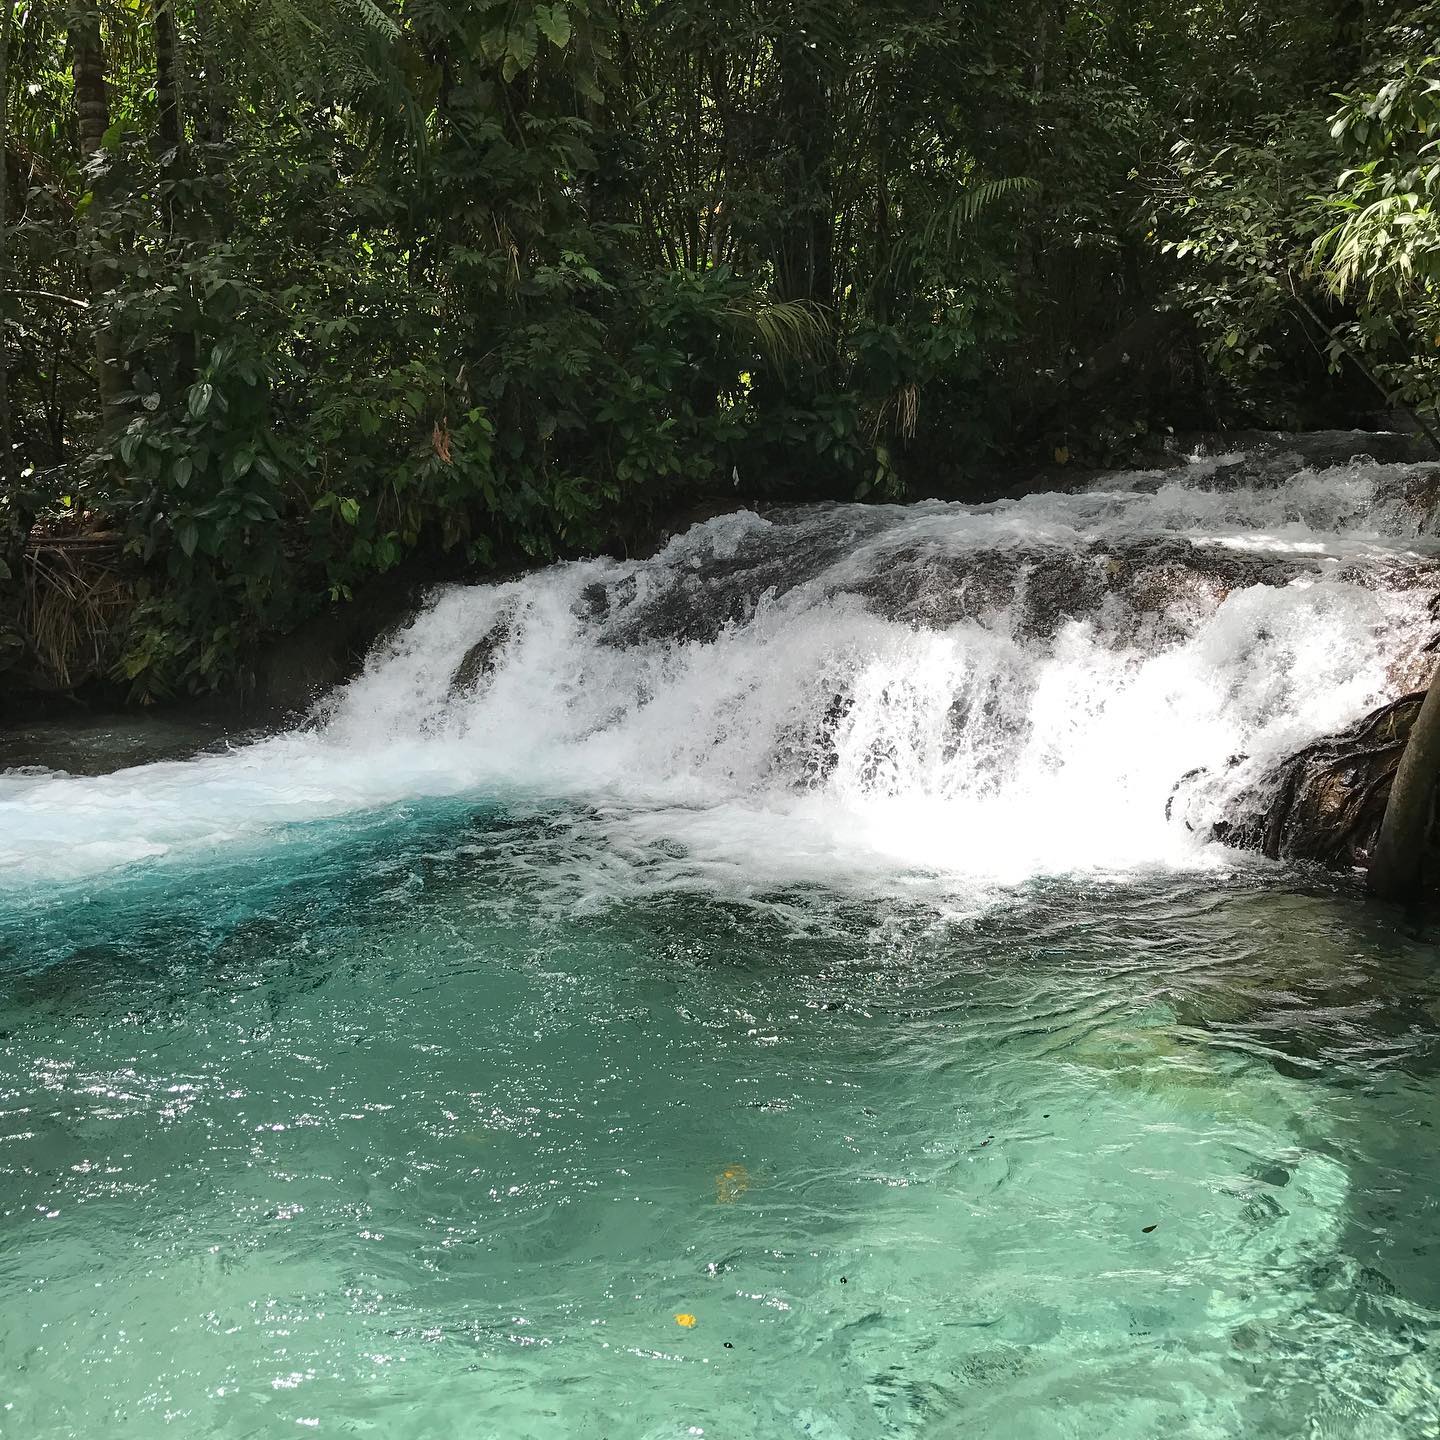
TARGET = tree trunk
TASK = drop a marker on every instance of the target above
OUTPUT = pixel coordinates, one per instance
(216, 113)
(1352, 26)
(16, 518)
(167, 91)
(804, 262)
(7, 17)
(92, 117)
(1397, 865)
(173, 167)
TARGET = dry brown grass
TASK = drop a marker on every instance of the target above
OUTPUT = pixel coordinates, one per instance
(900, 410)
(75, 592)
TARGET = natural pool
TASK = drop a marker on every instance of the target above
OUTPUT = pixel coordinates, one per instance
(363, 1132)
(765, 991)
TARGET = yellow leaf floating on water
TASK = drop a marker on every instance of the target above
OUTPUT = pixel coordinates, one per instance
(1062, 455)
(730, 1184)
(687, 1321)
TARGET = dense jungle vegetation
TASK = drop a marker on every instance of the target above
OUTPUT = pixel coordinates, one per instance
(296, 293)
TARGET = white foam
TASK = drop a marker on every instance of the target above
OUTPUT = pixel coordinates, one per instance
(813, 739)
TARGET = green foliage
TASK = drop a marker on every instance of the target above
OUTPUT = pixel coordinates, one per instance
(1387, 245)
(400, 283)
(1239, 220)
(1381, 253)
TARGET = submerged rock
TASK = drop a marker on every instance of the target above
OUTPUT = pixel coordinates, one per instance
(1326, 801)
(479, 660)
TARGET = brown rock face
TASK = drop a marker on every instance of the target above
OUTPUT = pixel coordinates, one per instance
(479, 661)
(1326, 801)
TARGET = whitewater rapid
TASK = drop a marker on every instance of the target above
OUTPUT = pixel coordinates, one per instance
(928, 695)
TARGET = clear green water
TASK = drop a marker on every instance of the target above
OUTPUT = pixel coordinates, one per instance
(393, 1127)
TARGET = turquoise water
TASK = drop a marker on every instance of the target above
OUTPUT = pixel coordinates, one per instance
(778, 988)
(404, 1125)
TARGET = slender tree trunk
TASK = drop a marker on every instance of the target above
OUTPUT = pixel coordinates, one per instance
(92, 115)
(16, 518)
(1396, 867)
(167, 99)
(1352, 25)
(804, 262)
(7, 18)
(173, 166)
(216, 124)
(1027, 257)
(167, 90)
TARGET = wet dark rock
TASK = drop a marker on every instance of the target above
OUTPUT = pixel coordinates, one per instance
(934, 589)
(1317, 449)
(723, 581)
(479, 660)
(1325, 802)
(810, 749)
(294, 671)
(595, 601)
(1130, 586)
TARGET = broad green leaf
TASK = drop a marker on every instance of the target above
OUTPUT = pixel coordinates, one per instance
(554, 23)
(521, 43)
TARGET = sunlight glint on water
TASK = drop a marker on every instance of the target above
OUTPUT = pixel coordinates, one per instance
(365, 1137)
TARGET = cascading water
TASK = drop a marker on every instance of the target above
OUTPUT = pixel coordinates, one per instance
(771, 989)
(954, 692)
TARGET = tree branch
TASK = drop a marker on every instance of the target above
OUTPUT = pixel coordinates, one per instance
(48, 295)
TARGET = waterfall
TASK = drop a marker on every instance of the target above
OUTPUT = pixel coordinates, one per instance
(933, 694)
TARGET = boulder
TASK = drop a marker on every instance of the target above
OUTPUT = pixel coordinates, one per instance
(1326, 802)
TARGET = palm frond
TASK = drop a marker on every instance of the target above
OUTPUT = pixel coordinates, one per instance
(947, 223)
(784, 331)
